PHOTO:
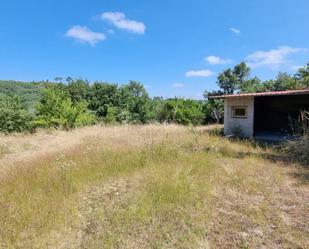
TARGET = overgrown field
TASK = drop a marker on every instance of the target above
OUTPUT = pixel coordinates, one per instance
(149, 187)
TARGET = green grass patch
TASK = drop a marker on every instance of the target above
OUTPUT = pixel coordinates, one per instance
(172, 193)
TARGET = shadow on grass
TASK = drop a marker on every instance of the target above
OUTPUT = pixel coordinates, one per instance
(275, 152)
(280, 155)
(302, 175)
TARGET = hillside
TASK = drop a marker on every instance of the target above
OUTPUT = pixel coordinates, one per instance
(154, 186)
(28, 91)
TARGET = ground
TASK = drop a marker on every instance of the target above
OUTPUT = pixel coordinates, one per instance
(154, 186)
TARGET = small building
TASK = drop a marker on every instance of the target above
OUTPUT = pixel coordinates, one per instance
(254, 114)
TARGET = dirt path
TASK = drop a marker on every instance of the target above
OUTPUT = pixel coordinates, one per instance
(16, 148)
(23, 148)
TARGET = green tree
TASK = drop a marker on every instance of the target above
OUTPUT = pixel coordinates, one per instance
(227, 81)
(167, 111)
(191, 111)
(241, 72)
(302, 76)
(213, 109)
(181, 111)
(283, 82)
(78, 90)
(133, 102)
(154, 106)
(103, 96)
(252, 85)
(14, 116)
(111, 115)
(57, 110)
(231, 80)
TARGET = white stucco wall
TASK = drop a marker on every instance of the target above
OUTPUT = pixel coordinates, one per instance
(246, 124)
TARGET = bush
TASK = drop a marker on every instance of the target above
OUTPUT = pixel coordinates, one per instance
(14, 116)
(180, 111)
(213, 110)
(111, 115)
(57, 110)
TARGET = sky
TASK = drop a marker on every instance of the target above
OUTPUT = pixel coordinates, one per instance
(173, 47)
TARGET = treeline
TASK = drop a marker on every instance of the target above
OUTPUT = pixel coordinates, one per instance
(71, 103)
(78, 103)
(238, 79)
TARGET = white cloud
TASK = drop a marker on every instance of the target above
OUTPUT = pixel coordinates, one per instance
(199, 73)
(235, 30)
(296, 68)
(216, 60)
(119, 20)
(178, 85)
(272, 58)
(85, 35)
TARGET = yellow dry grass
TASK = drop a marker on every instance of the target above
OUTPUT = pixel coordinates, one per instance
(154, 186)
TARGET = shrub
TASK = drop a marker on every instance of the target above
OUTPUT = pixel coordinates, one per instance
(14, 116)
(111, 116)
(180, 111)
(213, 109)
(57, 110)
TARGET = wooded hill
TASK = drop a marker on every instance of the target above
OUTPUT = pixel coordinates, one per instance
(29, 92)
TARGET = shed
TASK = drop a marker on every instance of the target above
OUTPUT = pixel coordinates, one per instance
(254, 114)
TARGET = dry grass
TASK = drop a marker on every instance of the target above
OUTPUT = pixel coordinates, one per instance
(148, 187)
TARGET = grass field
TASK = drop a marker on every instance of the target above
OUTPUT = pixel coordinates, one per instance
(149, 186)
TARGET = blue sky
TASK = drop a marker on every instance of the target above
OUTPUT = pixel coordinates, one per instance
(174, 47)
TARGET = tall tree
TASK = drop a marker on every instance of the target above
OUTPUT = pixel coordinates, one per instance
(303, 76)
(227, 81)
(231, 80)
(103, 96)
(78, 89)
(241, 72)
(133, 102)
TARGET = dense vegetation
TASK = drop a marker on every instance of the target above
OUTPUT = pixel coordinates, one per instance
(29, 92)
(71, 102)
(13, 114)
